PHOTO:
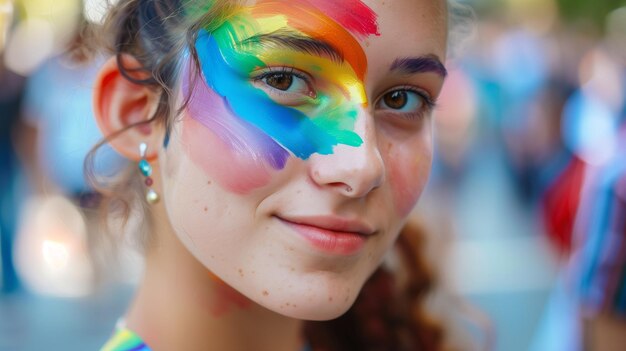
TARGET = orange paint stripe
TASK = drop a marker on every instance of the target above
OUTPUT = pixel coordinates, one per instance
(319, 26)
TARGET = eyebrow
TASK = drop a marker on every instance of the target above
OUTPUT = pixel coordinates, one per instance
(286, 39)
(421, 64)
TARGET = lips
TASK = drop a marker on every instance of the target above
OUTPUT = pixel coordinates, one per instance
(330, 234)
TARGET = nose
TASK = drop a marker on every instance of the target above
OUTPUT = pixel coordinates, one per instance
(351, 171)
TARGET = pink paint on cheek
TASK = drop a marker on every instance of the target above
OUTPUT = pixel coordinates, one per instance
(225, 147)
(231, 170)
(407, 175)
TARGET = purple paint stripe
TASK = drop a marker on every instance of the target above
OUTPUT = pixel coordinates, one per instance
(216, 114)
(141, 347)
(271, 151)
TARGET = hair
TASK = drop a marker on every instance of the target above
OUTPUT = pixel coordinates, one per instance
(156, 32)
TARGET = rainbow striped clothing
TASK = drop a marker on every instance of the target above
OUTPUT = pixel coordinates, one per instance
(125, 339)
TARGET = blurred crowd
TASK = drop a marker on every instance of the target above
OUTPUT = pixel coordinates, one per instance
(48, 207)
(535, 100)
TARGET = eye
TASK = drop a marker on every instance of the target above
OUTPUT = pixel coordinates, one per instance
(280, 81)
(406, 101)
(286, 86)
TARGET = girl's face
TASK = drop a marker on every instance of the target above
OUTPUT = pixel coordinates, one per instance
(305, 145)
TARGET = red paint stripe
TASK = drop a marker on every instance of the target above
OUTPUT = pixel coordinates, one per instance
(353, 15)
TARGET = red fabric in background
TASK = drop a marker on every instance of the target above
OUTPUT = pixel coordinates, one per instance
(560, 205)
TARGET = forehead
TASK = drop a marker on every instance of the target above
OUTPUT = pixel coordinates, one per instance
(410, 26)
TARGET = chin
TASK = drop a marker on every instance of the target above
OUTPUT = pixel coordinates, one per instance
(315, 301)
(313, 310)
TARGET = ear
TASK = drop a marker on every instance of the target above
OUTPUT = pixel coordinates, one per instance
(120, 103)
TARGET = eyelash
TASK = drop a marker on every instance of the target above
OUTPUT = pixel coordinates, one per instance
(282, 69)
(268, 72)
(429, 103)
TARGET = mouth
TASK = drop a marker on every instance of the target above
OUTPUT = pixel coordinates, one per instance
(330, 234)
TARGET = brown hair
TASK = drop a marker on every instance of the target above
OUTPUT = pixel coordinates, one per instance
(387, 315)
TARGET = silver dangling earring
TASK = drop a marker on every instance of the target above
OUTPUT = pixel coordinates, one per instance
(144, 166)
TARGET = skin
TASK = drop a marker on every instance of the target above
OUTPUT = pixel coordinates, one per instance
(221, 263)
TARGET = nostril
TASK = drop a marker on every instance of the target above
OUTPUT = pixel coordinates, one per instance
(351, 172)
(342, 187)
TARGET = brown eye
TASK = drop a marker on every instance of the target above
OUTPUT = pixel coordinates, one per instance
(396, 99)
(285, 86)
(405, 102)
(280, 81)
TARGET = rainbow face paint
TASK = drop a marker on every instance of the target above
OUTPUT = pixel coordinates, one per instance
(315, 38)
(125, 340)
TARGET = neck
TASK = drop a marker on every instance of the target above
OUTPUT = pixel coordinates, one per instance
(181, 306)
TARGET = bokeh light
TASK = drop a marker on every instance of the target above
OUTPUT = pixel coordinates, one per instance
(31, 43)
(6, 14)
(616, 32)
(589, 128)
(44, 28)
(95, 10)
(601, 78)
(51, 250)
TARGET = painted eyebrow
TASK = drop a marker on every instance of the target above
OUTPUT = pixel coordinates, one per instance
(286, 39)
(421, 64)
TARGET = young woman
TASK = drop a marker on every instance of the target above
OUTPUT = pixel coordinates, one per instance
(281, 145)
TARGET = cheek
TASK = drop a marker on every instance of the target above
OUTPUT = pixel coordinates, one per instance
(408, 173)
(237, 173)
(236, 154)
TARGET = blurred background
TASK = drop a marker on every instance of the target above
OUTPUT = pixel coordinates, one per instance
(526, 206)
